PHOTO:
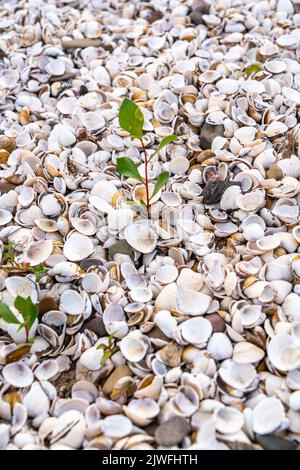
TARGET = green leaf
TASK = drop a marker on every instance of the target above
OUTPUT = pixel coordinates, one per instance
(106, 355)
(254, 68)
(143, 204)
(126, 167)
(101, 346)
(28, 310)
(161, 181)
(7, 314)
(167, 140)
(131, 118)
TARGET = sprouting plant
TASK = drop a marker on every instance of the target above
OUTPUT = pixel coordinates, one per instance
(131, 119)
(38, 271)
(10, 252)
(108, 349)
(10, 248)
(28, 310)
(252, 69)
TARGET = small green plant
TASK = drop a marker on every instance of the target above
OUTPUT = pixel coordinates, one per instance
(28, 310)
(252, 69)
(131, 119)
(38, 271)
(108, 349)
(9, 253)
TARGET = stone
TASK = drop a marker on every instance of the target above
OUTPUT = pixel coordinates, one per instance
(172, 432)
(213, 190)
(272, 442)
(47, 304)
(96, 325)
(90, 262)
(196, 16)
(120, 247)
(207, 134)
(217, 322)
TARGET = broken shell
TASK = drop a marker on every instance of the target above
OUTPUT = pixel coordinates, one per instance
(142, 411)
(191, 302)
(245, 353)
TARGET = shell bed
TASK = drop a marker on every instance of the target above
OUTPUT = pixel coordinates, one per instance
(181, 331)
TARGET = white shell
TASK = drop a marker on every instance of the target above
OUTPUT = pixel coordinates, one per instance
(72, 302)
(78, 247)
(38, 252)
(133, 346)
(116, 426)
(220, 347)
(141, 236)
(18, 374)
(284, 352)
(268, 415)
(196, 331)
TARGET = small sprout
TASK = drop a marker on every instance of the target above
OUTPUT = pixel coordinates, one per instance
(108, 349)
(105, 357)
(28, 310)
(131, 119)
(252, 69)
(10, 253)
(38, 271)
(10, 248)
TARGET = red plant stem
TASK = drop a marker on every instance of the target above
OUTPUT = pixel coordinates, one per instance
(146, 182)
(27, 334)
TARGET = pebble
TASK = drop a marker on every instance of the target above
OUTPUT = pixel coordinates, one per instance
(217, 322)
(208, 133)
(214, 190)
(172, 432)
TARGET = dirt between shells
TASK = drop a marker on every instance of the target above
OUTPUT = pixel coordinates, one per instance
(177, 331)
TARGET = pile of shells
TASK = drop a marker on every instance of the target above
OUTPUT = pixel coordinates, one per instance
(198, 306)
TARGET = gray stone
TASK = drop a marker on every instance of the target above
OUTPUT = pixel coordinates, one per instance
(96, 325)
(172, 432)
(213, 190)
(272, 442)
(89, 262)
(207, 134)
(120, 246)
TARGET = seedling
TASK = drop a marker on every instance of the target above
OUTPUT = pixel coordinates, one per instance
(38, 271)
(108, 349)
(252, 69)
(10, 252)
(28, 310)
(10, 248)
(131, 119)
